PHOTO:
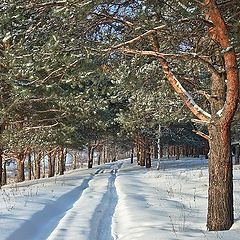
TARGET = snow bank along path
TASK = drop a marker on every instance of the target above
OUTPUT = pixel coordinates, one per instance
(116, 201)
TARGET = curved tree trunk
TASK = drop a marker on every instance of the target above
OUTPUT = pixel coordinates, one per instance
(223, 99)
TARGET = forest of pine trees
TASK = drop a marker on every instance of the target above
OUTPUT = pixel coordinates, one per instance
(147, 77)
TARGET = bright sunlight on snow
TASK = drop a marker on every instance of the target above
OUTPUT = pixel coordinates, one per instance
(115, 201)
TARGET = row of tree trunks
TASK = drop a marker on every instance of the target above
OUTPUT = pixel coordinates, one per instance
(184, 151)
(34, 161)
(105, 153)
(143, 151)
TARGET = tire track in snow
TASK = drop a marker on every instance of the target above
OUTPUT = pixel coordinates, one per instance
(50, 216)
(88, 210)
(103, 217)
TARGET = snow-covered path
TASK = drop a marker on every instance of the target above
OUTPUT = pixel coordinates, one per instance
(91, 216)
(84, 212)
(116, 201)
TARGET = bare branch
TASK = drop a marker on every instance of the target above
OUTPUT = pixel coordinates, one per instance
(206, 95)
(230, 61)
(177, 86)
(154, 30)
(48, 4)
(113, 18)
(201, 134)
(185, 56)
(41, 127)
(200, 121)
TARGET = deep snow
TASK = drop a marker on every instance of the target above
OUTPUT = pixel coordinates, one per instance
(116, 201)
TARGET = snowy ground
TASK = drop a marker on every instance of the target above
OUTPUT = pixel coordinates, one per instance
(116, 201)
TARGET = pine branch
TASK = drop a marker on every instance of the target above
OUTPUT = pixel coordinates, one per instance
(156, 29)
(201, 134)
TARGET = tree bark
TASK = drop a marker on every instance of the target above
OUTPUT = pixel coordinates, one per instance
(4, 177)
(38, 165)
(141, 151)
(75, 160)
(220, 193)
(132, 155)
(50, 164)
(237, 154)
(54, 155)
(90, 155)
(20, 168)
(61, 160)
(1, 162)
(147, 153)
(177, 152)
(99, 158)
(29, 165)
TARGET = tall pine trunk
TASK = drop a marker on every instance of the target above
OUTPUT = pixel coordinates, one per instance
(99, 158)
(37, 160)
(20, 168)
(54, 155)
(90, 155)
(132, 155)
(1, 162)
(4, 177)
(29, 165)
(75, 160)
(147, 152)
(61, 160)
(50, 164)
(220, 192)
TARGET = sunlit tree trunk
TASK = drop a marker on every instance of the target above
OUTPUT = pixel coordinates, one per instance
(29, 165)
(220, 194)
(61, 160)
(54, 155)
(75, 160)
(90, 155)
(4, 177)
(50, 164)
(141, 150)
(1, 162)
(20, 167)
(37, 164)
